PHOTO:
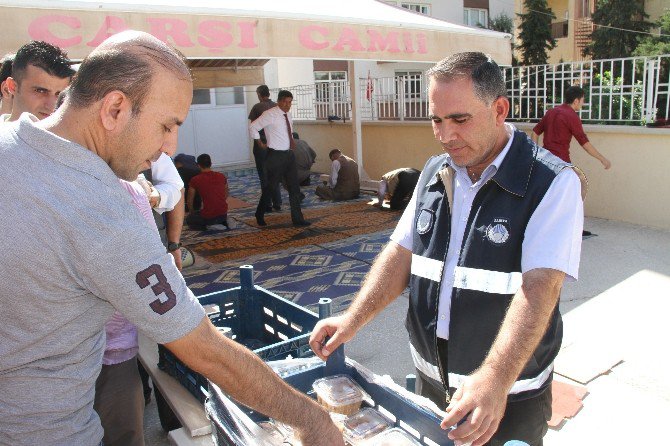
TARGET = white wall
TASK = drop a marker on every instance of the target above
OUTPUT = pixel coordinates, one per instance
(292, 72)
(501, 6)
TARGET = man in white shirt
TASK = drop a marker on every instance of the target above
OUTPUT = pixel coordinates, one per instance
(490, 235)
(280, 162)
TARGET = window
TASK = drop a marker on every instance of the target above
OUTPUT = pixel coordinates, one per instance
(201, 96)
(218, 96)
(476, 17)
(417, 7)
(408, 83)
(325, 90)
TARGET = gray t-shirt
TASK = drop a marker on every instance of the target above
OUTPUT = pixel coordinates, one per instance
(74, 249)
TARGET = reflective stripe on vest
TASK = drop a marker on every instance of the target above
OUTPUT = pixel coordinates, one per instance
(456, 381)
(486, 281)
(427, 268)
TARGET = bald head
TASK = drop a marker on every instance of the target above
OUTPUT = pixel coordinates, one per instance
(126, 62)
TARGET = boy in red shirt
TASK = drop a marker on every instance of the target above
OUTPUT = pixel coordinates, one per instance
(213, 190)
(561, 123)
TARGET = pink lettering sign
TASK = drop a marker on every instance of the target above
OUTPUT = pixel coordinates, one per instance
(247, 34)
(214, 34)
(422, 44)
(348, 38)
(175, 29)
(306, 39)
(377, 42)
(112, 25)
(40, 29)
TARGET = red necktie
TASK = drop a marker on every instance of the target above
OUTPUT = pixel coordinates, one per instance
(290, 134)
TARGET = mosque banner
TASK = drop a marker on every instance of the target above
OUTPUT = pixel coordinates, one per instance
(201, 36)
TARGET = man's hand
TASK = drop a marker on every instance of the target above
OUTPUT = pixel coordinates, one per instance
(261, 144)
(482, 400)
(176, 254)
(338, 328)
(606, 163)
(154, 197)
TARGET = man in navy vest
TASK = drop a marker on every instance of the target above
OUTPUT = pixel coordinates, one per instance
(492, 231)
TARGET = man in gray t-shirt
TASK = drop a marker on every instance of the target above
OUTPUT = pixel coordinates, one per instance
(75, 249)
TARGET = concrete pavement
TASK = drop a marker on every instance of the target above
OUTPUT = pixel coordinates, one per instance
(617, 308)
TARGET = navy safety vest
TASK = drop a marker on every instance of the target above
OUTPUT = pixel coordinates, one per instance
(488, 271)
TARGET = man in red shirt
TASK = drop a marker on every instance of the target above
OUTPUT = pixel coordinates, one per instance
(213, 189)
(561, 123)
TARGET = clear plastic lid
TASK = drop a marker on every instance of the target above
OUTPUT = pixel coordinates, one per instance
(364, 424)
(339, 393)
(392, 437)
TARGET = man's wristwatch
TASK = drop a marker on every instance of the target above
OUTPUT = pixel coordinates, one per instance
(172, 246)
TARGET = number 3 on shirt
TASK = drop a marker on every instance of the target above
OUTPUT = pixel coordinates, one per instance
(161, 287)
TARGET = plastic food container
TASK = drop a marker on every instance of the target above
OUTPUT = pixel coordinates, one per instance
(364, 424)
(339, 393)
(392, 437)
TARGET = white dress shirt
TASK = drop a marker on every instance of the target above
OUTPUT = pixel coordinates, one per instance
(553, 237)
(167, 182)
(334, 171)
(274, 123)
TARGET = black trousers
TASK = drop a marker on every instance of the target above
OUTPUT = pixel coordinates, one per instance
(280, 166)
(197, 222)
(260, 155)
(523, 420)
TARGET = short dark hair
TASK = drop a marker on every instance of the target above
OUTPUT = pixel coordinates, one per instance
(204, 160)
(127, 70)
(263, 91)
(485, 74)
(6, 66)
(284, 94)
(333, 152)
(42, 55)
(573, 93)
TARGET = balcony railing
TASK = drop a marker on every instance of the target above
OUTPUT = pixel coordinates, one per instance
(632, 91)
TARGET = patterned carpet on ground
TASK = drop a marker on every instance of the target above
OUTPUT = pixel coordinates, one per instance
(330, 258)
(329, 224)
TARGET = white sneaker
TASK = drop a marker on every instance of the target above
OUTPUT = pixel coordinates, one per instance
(218, 227)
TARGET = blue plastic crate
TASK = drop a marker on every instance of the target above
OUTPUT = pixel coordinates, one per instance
(264, 322)
(234, 424)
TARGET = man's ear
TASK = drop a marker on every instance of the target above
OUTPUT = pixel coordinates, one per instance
(501, 107)
(4, 90)
(11, 85)
(115, 111)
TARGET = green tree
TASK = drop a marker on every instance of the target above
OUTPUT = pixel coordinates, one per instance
(504, 24)
(614, 39)
(656, 45)
(535, 32)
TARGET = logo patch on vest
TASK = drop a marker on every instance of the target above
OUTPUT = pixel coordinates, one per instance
(424, 224)
(498, 231)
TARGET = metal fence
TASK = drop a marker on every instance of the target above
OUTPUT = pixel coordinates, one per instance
(631, 91)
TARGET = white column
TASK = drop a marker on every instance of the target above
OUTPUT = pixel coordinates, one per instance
(354, 92)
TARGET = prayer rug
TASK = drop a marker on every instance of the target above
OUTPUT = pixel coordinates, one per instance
(328, 224)
(302, 275)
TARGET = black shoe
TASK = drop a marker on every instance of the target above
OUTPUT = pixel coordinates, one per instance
(586, 233)
(276, 208)
(260, 220)
(301, 223)
(268, 209)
